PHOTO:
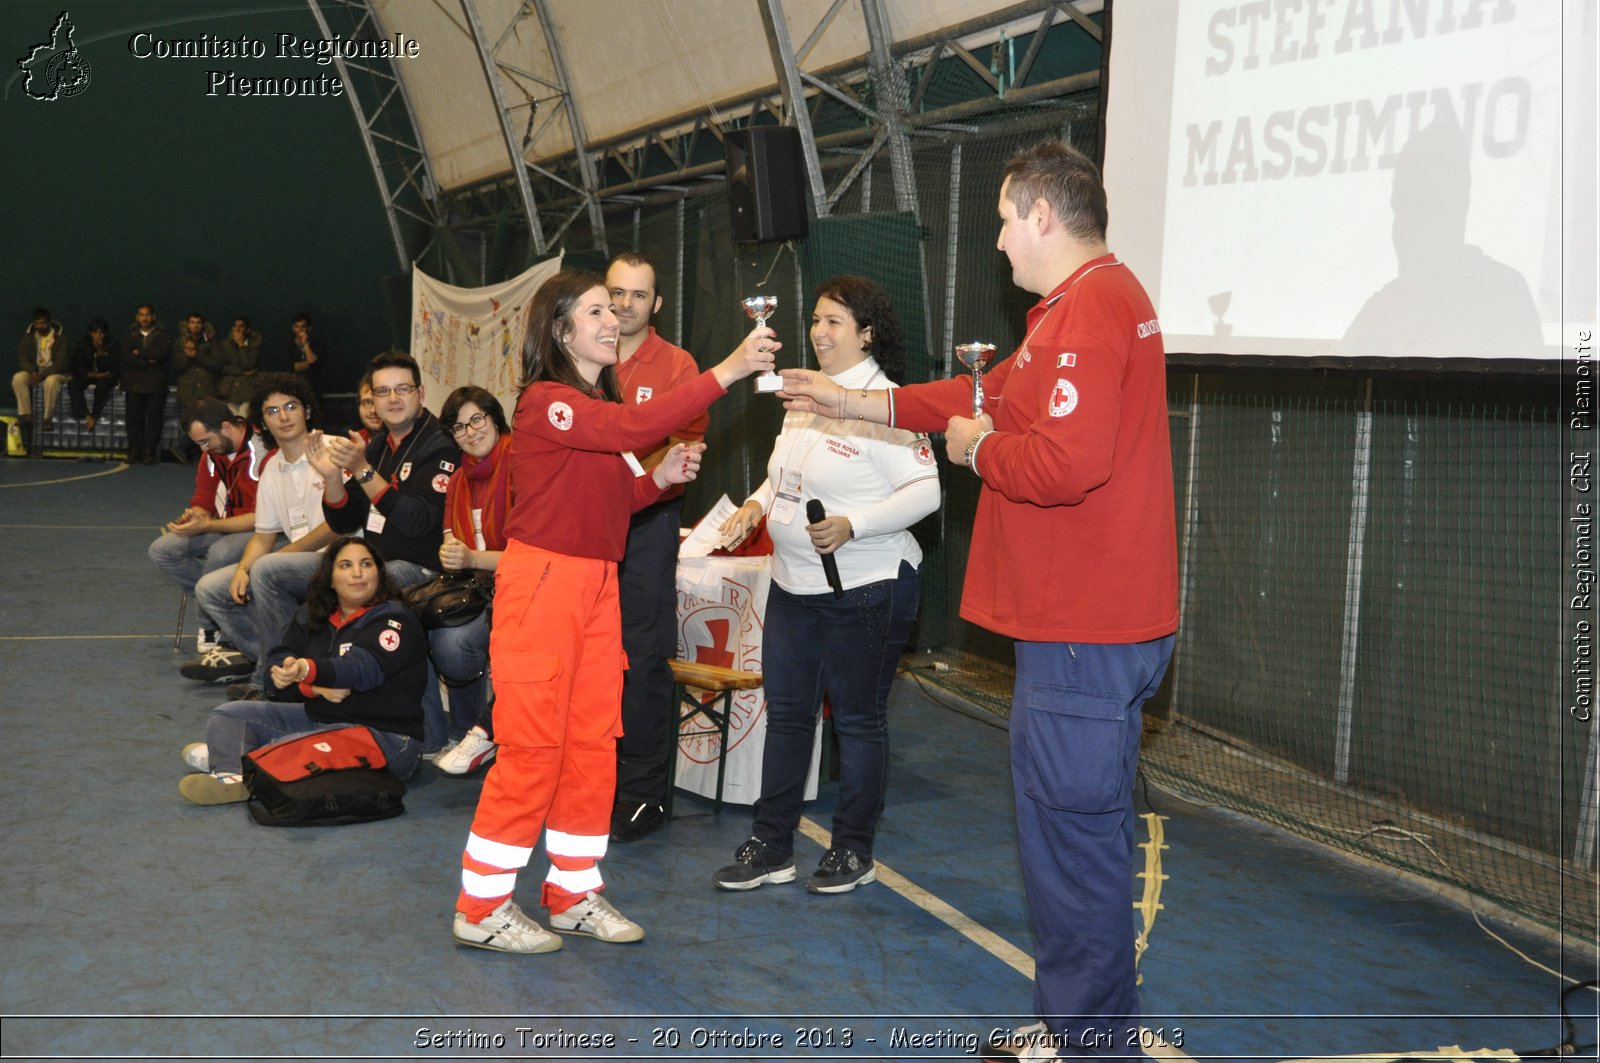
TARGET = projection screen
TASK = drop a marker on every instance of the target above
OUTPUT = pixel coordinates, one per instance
(1357, 181)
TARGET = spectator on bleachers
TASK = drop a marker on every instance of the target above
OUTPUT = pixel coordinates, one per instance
(215, 528)
(41, 358)
(194, 356)
(353, 655)
(94, 363)
(475, 509)
(238, 357)
(305, 356)
(143, 376)
(254, 601)
(396, 487)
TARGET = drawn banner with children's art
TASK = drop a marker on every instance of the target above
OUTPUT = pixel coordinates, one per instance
(472, 335)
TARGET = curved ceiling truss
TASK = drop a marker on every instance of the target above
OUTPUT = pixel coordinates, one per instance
(542, 112)
(389, 129)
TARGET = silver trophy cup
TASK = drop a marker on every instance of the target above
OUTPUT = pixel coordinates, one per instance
(759, 308)
(975, 356)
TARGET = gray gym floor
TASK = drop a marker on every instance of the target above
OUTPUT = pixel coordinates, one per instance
(140, 926)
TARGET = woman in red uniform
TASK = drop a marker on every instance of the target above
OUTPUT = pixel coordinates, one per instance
(556, 640)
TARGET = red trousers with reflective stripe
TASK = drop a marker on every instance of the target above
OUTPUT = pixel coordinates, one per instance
(556, 644)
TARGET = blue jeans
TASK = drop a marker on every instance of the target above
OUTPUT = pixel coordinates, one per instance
(849, 648)
(1075, 727)
(460, 656)
(237, 727)
(278, 584)
(184, 559)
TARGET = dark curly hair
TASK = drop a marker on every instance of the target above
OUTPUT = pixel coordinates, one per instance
(322, 600)
(544, 353)
(480, 398)
(871, 307)
(290, 384)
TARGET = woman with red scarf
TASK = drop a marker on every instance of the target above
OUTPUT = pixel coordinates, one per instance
(557, 638)
(475, 509)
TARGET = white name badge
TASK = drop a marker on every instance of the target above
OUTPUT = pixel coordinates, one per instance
(787, 503)
(633, 463)
(299, 526)
(376, 521)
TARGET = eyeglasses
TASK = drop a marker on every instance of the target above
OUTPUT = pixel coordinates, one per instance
(403, 390)
(288, 407)
(461, 428)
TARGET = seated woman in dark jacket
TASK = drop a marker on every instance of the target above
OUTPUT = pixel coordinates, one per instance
(353, 655)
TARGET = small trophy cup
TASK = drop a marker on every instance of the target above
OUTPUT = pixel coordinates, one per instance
(975, 356)
(761, 307)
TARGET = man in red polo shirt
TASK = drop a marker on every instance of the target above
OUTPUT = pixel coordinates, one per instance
(1074, 556)
(647, 366)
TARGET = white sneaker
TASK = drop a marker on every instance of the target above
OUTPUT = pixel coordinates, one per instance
(506, 929)
(197, 756)
(471, 753)
(595, 917)
(206, 641)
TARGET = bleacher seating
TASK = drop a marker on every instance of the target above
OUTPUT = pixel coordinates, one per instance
(67, 438)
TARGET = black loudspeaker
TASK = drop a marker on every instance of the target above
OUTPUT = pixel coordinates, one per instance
(766, 184)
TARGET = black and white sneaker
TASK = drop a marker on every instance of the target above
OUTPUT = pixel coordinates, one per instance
(633, 821)
(208, 639)
(841, 871)
(755, 863)
(221, 665)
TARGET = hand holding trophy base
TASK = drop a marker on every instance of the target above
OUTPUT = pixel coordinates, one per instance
(761, 307)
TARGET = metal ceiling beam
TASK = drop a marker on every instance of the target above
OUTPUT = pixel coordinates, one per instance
(519, 168)
(930, 120)
(794, 97)
(580, 140)
(886, 75)
(399, 163)
(733, 104)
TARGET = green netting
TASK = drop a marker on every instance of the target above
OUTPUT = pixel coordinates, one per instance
(1370, 650)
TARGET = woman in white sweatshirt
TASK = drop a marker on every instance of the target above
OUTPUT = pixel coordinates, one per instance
(873, 483)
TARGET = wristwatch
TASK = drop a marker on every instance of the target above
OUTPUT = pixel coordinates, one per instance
(366, 475)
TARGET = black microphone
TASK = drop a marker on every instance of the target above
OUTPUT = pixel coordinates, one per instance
(830, 564)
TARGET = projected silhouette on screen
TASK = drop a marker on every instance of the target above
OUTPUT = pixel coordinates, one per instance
(1449, 299)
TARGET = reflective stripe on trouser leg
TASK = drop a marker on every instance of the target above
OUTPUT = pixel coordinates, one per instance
(489, 869)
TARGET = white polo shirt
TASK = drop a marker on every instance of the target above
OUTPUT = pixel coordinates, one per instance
(289, 499)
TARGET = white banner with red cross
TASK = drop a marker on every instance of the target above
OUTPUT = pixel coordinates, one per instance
(721, 603)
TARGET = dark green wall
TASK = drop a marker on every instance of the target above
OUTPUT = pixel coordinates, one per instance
(143, 189)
